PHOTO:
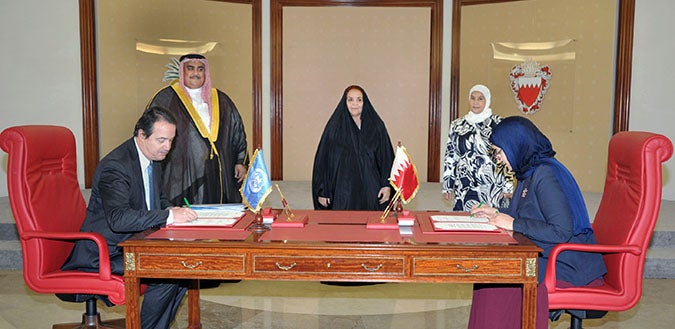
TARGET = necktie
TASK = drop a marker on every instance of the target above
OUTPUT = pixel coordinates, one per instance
(151, 188)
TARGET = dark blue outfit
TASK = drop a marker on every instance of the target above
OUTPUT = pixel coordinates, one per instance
(117, 210)
(541, 213)
(548, 208)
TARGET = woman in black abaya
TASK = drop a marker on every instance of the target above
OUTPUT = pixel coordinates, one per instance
(354, 157)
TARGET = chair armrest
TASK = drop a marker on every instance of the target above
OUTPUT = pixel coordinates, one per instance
(550, 279)
(103, 253)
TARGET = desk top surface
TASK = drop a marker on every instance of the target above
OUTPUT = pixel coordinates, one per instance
(333, 229)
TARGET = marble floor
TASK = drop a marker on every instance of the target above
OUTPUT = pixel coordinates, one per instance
(298, 305)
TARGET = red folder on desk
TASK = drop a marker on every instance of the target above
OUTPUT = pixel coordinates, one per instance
(199, 233)
(240, 225)
(463, 237)
(377, 223)
(425, 232)
(284, 220)
(428, 226)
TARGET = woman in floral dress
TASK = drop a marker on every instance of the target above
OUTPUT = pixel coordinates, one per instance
(469, 174)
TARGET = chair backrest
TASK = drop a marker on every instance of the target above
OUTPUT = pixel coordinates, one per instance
(630, 205)
(44, 193)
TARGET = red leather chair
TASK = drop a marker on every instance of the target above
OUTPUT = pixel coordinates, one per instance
(49, 209)
(623, 226)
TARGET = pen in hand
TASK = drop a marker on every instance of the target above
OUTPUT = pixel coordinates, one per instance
(480, 204)
(187, 204)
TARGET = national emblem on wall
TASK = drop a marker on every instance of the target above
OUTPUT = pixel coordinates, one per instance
(529, 82)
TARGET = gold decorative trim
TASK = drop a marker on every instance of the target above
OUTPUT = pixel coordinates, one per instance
(531, 267)
(129, 261)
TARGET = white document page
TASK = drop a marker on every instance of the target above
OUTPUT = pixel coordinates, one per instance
(225, 222)
(458, 218)
(463, 226)
(235, 210)
(225, 215)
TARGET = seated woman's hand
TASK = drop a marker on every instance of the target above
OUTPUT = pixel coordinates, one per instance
(493, 215)
(502, 220)
(483, 211)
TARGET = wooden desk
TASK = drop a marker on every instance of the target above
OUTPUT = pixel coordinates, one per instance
(403, 261)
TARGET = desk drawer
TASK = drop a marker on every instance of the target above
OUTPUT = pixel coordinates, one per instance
(329, 265)
(461, 266)
(193, 263)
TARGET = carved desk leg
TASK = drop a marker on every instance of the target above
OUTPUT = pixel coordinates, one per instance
(133, 292)
(529, 313)
(194, 316)
(529, 305)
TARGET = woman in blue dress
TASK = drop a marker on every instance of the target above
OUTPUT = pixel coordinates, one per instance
(549, 209)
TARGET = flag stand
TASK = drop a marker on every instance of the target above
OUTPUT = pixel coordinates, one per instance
(258, 225)
(287, 208)
(254, 190)
(399, 206)
(394, 199)
(403, 179)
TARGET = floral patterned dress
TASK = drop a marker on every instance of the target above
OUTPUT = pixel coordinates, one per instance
(468, 169)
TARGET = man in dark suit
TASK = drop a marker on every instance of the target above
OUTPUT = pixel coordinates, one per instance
(126, 199)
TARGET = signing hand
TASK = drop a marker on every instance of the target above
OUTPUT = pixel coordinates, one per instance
(183, 215)
(494, 216)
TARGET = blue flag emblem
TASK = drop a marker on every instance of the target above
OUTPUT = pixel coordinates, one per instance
(257, 184)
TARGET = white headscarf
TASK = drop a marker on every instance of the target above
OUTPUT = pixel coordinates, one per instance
(473, 118)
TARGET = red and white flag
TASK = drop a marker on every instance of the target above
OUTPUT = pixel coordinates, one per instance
(404, 175)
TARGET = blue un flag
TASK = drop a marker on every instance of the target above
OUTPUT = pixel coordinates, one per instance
(257, 184)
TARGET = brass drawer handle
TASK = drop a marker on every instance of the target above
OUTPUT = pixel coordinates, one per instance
(285, 268)
(467, 270)
(371, 269)
(190, 266)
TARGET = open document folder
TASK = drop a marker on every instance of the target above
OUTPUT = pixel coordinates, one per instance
(223, 215)
(461, 223)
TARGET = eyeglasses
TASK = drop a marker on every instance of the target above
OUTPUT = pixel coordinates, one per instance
(495, 152)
